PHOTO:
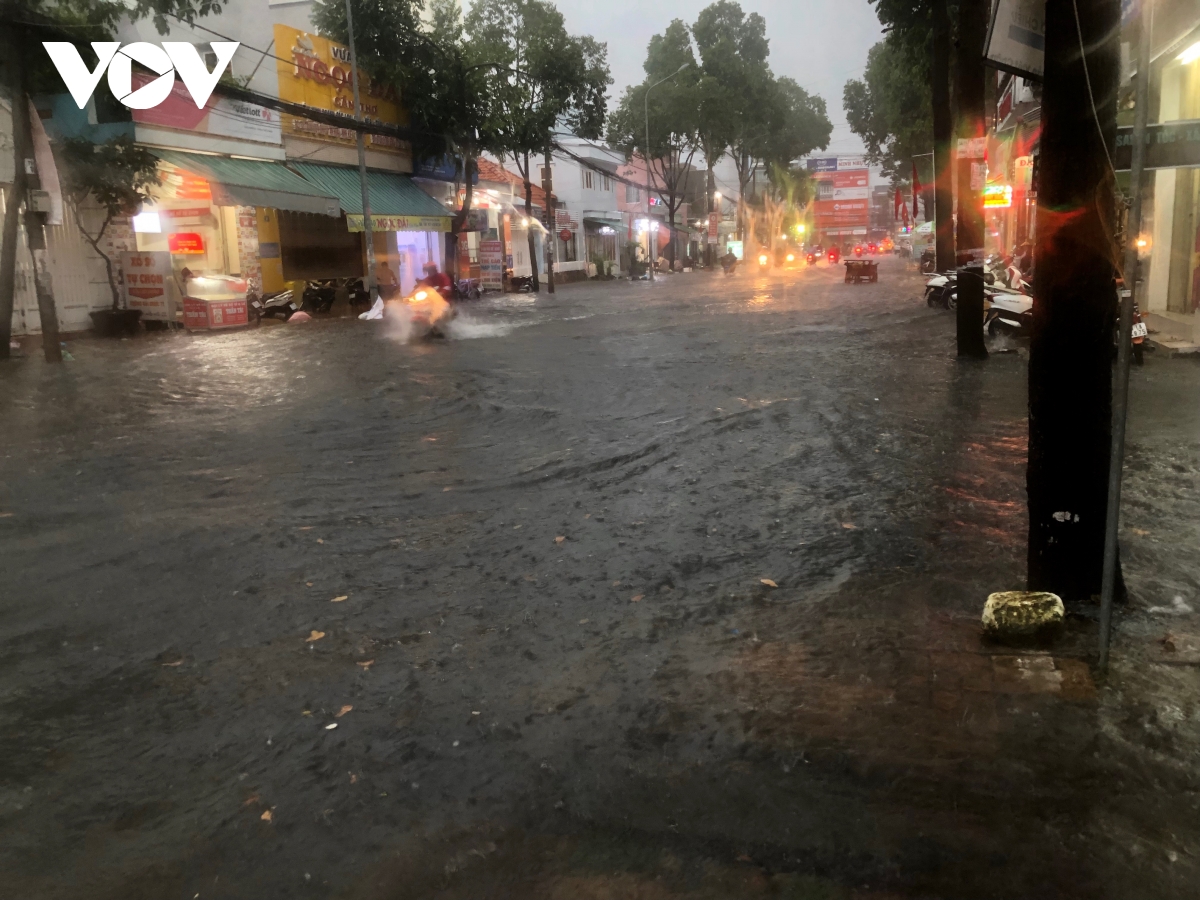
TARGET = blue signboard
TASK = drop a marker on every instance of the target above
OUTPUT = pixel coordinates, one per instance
(824, 164)
(447, 168)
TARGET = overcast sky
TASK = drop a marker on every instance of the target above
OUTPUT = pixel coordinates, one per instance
(820, 43)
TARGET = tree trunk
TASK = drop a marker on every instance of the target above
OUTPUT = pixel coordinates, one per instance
(972, 31)
(1074, 306)
(710, 249)
(943, 194)
(529, 220)
(460, 218)
(13, 200)
(551, 224)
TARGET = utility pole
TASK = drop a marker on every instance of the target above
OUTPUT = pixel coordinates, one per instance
(551, 234)
(35, 222)
(1133, 227)
(943, 133)
(972, 174)
(15, 197)
(368, 231)
(1074, 303)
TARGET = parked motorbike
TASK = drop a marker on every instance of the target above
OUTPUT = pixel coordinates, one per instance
(521, 284)
(466, 289)
(318, 297)
(275, 305)
(928, 261)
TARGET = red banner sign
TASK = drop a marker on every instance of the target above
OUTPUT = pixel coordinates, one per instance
(186, 242)
(831, 213)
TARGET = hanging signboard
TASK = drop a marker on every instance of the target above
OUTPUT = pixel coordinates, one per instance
(714, 226)
(316, 72)
(220, 116)
(1016, 39)
(491, 265)
(148, 284)
(186, 243)
(1170, 145)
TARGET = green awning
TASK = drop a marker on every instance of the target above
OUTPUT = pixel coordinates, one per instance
(250, 182)
(397, 204)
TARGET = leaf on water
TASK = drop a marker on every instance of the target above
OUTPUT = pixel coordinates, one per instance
(266, 816)
(1140, 532)
(178, 662)
(341, 712)
(306, 712)
(365, 663)
(768, 582)
(253, 798)
(320, 540)
(331, 726)
(353, 778)
(305, 528)
(445, 490)
(637, 598)
(559, 539)
(340, 599)
(308, 584)
(588, 516)
(315, 636)
(849, 526)
(6, 515)
(584, 621)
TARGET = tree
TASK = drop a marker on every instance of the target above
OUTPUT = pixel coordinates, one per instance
(430, 63)
(733, 51)
(891, 108)
(664, 132)
(542, 77)
(972, 29)
(924, 26)
(118, 175)
(1074, 303)
(24, 24)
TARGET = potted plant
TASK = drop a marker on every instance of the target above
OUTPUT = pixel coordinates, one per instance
(119, 175)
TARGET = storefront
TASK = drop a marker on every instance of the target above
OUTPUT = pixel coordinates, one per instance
(409, 226)
(217, 216)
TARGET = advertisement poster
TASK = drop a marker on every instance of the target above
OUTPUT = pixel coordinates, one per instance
(1016, 40)
(149, 285)
(221, 116)
(316, 72)
(491, 265)
(842, 213)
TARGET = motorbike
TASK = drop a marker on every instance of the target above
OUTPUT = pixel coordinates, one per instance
(521, 284)
(318, 297)
(928, 261)
(466, 289)
(275, 305)
(835, 256)
(812, 259)
(1007, 310)
(729, 267)
(858, 250)
(428, 312)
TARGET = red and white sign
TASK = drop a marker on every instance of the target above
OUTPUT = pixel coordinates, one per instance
(714, 223)
(840, 213)
(220, 115)
(194, 213)
(186, 243)
(199, 314)
(148, 284)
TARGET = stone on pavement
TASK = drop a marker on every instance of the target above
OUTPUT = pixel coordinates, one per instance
(1014, 614)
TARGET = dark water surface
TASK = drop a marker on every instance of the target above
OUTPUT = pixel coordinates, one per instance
(567, 677)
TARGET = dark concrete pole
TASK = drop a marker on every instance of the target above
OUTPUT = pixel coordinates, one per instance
(943, 133)
(971, 172)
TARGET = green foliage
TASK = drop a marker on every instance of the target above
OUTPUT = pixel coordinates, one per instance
(118, 174)
(540, 76)
(891, 107)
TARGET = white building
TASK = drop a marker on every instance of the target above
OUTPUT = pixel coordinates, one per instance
(587, 194)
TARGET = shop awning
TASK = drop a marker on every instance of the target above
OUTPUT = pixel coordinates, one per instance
(397, 204)
(250, 182)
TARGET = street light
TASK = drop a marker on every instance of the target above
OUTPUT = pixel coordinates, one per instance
(646, 157)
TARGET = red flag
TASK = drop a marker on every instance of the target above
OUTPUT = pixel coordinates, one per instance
(899, 204)
(916, 189)
(904, 209)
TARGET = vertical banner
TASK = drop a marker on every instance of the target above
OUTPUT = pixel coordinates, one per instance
(491, 265)
(149, 285)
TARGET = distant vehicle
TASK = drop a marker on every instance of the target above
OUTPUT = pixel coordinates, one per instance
(834, 255)
(858, 250)
(872, 248)
(811, 259)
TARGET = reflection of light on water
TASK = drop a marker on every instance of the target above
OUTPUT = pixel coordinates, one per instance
(759, 300)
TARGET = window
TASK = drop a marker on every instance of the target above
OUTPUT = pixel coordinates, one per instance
(607, 185)
(587, 179)
(632, 194)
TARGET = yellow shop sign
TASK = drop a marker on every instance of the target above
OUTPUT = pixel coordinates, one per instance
(316, 72)
(400, 223)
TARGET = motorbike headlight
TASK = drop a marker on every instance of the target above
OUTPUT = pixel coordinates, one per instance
(762, 260)
(421, 295)
(791, 257)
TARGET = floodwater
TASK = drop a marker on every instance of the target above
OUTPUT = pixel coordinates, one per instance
(643, 591)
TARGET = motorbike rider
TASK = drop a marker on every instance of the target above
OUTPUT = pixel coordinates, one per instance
(439, 281)
(729, 261)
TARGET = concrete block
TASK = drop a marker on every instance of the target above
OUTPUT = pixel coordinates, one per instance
(1022, 614)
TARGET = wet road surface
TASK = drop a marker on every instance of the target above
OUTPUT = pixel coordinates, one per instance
(307, 612)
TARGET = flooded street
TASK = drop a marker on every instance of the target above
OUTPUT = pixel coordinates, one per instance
(647, 591)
